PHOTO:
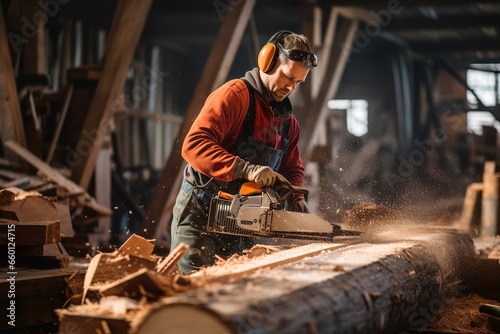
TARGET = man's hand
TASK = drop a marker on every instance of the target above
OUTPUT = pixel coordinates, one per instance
(300, 205)
(264, 176)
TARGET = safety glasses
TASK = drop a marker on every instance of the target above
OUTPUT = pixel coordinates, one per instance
(299, 55)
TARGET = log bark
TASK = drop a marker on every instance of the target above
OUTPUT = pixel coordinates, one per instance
(379, 286)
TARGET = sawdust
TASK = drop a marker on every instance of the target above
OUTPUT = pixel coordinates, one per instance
(493, 251)
(255, 251)
(462, 315)
(366, 216)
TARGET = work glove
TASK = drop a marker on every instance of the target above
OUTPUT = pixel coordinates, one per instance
(299, 204)
(264, 176)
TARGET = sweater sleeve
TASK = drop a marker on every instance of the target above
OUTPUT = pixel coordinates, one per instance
(215, 129)
(291, 164)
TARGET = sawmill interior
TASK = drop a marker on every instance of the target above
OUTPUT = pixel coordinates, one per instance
(399, 135)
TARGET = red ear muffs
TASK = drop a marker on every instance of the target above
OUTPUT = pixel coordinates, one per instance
(267, 57)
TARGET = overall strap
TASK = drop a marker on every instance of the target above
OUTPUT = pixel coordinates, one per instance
(248, 122)
(284, 136)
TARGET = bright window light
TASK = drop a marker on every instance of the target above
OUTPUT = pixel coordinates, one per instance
(356, 115)
(483, 79)
(476, 120)
(483, 83)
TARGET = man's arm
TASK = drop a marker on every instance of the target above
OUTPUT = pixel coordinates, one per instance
(218, 122)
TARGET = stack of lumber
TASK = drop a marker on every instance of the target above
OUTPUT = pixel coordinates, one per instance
(375, 284)
(32, 225)
(36, 176)
(38, 279)
(46, 174)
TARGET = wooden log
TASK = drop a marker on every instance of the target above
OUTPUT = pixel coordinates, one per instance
(377, 286)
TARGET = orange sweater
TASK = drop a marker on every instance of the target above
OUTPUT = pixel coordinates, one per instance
(218, 125)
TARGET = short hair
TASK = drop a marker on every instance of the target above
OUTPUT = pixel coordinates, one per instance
(295, 41)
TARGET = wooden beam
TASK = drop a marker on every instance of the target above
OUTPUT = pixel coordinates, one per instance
(43, 168)
(60, 123)
(214, 73)
(126, 29)
(421, 3)
(11, 126)
(333, 68)
(34, 52)
(447, 46)
(489, 205)
(442, 23)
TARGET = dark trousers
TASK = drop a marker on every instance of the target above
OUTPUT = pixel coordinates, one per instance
(189, 220)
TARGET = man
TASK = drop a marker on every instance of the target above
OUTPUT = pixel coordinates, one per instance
(244, 132)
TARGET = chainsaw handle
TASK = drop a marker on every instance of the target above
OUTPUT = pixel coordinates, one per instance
(292, 189)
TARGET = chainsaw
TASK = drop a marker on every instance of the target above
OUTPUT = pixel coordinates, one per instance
(266, 212)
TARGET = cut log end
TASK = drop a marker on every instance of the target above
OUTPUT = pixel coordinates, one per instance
(182, 318)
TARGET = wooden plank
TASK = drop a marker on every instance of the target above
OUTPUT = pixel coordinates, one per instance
(50, 173)
(126, 29)
(223, 274)
(11, 127)
(38, 294)
(29, 233)
(137, 246)
(62, 118)
(489, 205)
(112, 267)
(468, 208)
(143, 283)
(214, 73)
(169, 264)
(105, 268)
(34, 52)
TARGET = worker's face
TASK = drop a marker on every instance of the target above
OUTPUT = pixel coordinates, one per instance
(284, 79)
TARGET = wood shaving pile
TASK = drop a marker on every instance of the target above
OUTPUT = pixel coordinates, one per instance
(462, 315)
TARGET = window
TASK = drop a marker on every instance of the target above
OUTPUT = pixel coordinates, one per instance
(356, 115)
(484, 80)
(476, 120)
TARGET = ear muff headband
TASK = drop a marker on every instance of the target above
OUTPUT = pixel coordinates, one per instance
(268, 55)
